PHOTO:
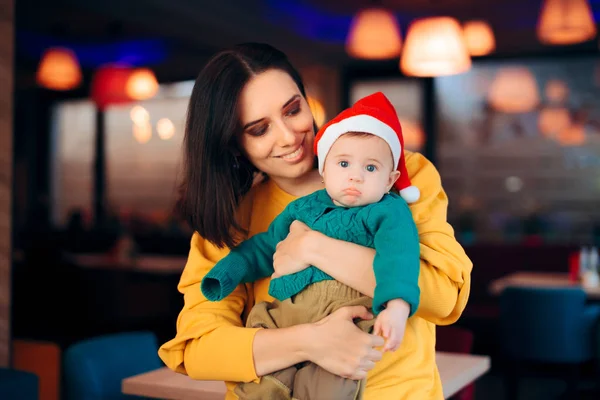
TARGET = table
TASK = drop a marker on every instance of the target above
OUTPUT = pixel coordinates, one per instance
(456, 372)
(540, 279)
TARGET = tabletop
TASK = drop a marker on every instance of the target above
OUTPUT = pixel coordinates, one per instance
(456, 372)
(540, 279)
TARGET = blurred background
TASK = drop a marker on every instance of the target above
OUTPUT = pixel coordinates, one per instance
(503, 96)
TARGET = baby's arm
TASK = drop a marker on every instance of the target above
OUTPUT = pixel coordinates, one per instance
(396, 267)
(397, 255)
(250, 260)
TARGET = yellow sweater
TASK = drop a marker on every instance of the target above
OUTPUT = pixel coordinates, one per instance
(212, 344)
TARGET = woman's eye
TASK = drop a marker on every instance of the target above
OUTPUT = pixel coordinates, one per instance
(343, 164)
(371, 168)
(258, 131)
(293, 111)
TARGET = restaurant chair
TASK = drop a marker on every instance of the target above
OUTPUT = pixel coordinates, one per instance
(94, 368)
(42, 359)
(546, 325)
(15, 384)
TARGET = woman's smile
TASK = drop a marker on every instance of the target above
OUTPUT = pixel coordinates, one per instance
(294, 156)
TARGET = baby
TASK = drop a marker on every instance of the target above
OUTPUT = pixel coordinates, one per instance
(361, 158)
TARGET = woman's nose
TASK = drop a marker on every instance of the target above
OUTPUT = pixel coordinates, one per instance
(285, 135)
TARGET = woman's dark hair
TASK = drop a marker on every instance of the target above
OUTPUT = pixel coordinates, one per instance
(216, 174)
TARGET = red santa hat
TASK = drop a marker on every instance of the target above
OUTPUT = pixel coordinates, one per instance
(373, 114)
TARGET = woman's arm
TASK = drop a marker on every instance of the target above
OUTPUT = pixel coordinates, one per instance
(347, 262)
(211, 341)
(212, 344)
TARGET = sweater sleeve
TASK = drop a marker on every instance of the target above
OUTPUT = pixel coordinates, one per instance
(445, 276)
(249, 261)
(396, 264)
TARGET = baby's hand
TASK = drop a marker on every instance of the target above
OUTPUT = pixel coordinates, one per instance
(391, 323)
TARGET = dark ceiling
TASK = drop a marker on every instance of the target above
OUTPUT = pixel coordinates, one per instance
(182, 34)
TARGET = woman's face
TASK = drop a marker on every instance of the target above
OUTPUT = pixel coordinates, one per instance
(277, 134)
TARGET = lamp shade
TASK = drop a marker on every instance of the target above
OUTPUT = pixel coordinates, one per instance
(59, 69)
(514, 90)
(435, 47)
(479, 38)
(553, 120)
(142, 84)
(556, 91)
(564, 22)
(574, 135)
(108, 85)
(374, 34)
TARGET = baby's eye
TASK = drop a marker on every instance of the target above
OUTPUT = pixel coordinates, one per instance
(371, 168)
(343, 164)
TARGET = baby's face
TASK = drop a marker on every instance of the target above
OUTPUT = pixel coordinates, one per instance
(359, 170)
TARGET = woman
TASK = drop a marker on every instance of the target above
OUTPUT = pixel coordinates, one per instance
(248, 115)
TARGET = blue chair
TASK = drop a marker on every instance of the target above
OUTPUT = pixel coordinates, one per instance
(546, 325)
(94, 368)
(16, 384)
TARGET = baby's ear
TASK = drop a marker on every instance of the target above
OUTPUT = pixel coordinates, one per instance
(394, 175)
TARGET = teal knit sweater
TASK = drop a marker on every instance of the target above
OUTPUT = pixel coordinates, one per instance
(387, 226)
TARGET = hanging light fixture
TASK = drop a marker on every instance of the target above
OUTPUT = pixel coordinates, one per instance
(556, 91)
(574, 135)
(435, 47)
(142, 84)
(108, 85)
(564, 22)
(514, 90)
(553, 120)
(374, 34)
(479, 38)
(59, 69)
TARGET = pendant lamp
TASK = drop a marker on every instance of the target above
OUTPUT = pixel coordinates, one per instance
(563, 22)
(142, 84)
(479, 38)
(374, 34)
(435, 47)
(59, 69)
(514, 90)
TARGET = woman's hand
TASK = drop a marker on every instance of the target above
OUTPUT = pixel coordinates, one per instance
(339, 346)
(290, 254)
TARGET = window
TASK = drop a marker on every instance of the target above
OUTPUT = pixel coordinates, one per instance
(143, 155)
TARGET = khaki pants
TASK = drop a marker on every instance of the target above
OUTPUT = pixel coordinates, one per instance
(306, 381)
